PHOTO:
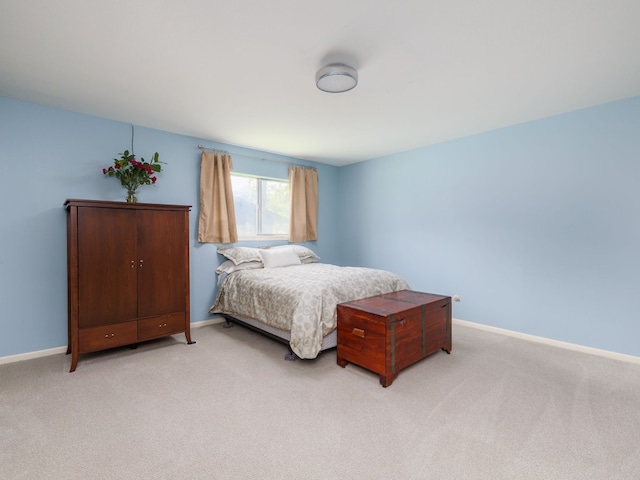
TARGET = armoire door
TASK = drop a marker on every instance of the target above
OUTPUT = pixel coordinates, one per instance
(107, 267)
(162, 262)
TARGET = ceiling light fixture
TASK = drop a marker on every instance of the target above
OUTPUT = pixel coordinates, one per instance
(336, 78)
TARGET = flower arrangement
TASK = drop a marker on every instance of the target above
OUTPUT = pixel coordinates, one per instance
(132, 173)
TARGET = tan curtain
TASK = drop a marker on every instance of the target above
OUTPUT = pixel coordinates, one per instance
(217, 222)
(303, 186)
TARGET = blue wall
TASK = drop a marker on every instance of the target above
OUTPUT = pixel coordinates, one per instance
(48, 155)
(535, 226)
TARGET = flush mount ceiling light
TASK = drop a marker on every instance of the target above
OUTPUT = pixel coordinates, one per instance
(336, 78)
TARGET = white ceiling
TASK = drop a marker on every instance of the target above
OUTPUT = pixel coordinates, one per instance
(243, 72)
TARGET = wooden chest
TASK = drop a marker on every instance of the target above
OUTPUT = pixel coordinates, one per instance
(389, 332)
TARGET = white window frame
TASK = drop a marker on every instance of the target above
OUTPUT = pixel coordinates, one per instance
(261, 236)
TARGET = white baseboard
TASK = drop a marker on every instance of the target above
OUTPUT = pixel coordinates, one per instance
(204, 323)
(29, 355)
(524, 336)
(57, 350)
(547, 341)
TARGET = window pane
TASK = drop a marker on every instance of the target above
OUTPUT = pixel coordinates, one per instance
(275, 207)
(262, 206)
(245, 197)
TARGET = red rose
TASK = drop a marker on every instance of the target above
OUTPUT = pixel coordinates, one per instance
(153, 179)
(117, 166)
(104, 170)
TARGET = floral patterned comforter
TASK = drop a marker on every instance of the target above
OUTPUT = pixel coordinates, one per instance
(301, 298)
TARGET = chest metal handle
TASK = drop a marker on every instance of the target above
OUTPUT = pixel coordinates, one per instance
(358, 332)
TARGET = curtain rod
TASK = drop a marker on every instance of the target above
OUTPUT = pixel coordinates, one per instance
(226, 152)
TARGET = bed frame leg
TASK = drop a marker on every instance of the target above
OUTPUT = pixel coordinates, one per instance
(227, 324)
(291, 356)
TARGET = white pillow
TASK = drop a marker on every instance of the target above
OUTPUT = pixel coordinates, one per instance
(280, 257)
(229, 267)
(240, 255)
(303, 252)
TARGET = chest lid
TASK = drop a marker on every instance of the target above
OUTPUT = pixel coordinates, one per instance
(394, 303)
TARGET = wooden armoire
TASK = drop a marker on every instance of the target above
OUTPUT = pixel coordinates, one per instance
(128, 274)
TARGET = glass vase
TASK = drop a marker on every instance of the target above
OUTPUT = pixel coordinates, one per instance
(131, 196)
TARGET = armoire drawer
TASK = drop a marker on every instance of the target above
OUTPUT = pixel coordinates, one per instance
(156, 327)
(107, 336)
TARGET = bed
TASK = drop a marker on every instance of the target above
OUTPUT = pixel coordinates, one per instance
(286, 293)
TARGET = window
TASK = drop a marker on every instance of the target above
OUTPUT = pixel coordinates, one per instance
(262, 206)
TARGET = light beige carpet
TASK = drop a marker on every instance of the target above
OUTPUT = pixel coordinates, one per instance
(230, 407)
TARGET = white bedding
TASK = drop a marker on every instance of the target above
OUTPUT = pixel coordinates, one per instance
(300, 298)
